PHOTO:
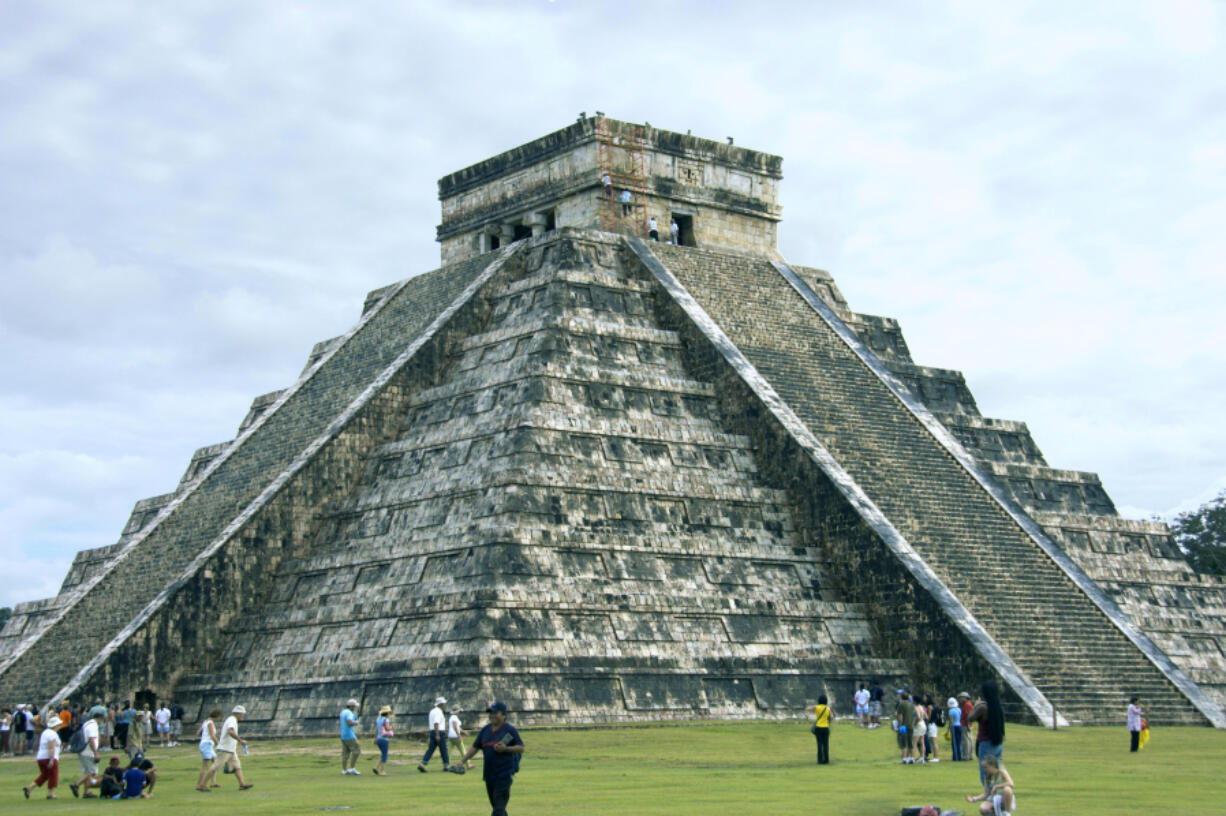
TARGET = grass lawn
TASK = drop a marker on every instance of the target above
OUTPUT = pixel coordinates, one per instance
(731, 768)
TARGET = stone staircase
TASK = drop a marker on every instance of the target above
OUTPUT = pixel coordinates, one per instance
(564, 505)
(1065, 643)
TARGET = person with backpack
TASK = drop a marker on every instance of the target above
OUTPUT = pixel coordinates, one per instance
(85, 744)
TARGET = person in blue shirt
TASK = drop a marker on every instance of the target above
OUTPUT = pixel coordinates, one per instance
(955, 727)
(350, 750)
(502, 747)
(133, 783)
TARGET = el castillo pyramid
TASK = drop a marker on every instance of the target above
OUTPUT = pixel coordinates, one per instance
(608, 479)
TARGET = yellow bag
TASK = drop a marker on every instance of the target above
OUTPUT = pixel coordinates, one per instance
(946, 734)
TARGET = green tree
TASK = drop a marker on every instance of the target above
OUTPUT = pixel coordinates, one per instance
(1201, 534)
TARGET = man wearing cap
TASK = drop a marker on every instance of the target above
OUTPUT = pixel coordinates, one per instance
(89, 755)
(438, 735)
(350, 750)
(227, 747)
(904, 714)
(502, 747)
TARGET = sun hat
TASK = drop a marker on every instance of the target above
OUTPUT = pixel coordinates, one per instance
(385, 710)
(54, 722)
(238, 709)
(351, 703)
(951, 702)
(440, 701)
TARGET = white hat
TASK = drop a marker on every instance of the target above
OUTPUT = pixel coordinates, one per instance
(238, 709)
(440, 701)
(54, 722)
(351, 703)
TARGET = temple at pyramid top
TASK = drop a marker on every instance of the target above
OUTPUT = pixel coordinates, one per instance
(721, 196)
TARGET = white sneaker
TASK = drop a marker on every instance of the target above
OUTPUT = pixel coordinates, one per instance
(355, 772)
(934, 759)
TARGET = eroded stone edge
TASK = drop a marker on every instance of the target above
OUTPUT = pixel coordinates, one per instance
(299, 462)
(851, 491)
(1057, 554)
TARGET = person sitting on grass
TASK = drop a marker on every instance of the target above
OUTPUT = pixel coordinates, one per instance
(133, 783)
(998, 800)
(112, 780)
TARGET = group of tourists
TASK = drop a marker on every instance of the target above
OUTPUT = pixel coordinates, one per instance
(498, 741)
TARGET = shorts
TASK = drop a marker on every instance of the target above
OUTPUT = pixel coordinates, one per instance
(207, 751)
(932, 730)
(861, 709)
(89, 763)
(874, 708)
(903, 740)
(163, 729)
(226, 759)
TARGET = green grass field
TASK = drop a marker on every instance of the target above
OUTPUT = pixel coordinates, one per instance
(732, 768)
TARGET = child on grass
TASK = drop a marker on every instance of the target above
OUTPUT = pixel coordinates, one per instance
(998, 800)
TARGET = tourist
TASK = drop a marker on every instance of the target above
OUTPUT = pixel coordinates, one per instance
(31, 719)
(151, 774)
(438, 735)
(48, 759)
(674, 233)
(65, 728)
(861, 699)
(607, 183)
(208, 751)
(123, 721)
(876, 696)
(935, 717)
(136, 734)
(6, 732)
(112, 780)
(901, 720)
(1135, 712)
(88, 757)
(146, 719)
(383, 738)
(108, 729)
(954, 712)
(17, 740)
(918, 728)
(821, 728)
(502, 747)
(176, 723)
(997, 797)
(653, 232)
(227, 747)
(455, 735)
(625, 200)
(964, 703)
(990, 732)
(350, 750)
(161, 719)
(134, 783)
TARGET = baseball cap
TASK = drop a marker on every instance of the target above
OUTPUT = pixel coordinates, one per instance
(497, 706)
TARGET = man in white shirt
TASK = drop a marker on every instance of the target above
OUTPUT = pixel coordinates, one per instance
(227, 747)
(161, 719)
(438, 735)
(653, 232)
(861, 697)
(89, 756)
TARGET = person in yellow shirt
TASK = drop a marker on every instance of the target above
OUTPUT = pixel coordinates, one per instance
(821, 728)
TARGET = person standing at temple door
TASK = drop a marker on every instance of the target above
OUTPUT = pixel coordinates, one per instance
(653, 233)
(674, 233)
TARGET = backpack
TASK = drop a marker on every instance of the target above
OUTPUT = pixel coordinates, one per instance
(938, 716)
(77, 743)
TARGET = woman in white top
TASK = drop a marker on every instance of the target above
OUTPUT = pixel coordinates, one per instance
(208, 751)
(48, 760)
(6, 727)
(455, 734)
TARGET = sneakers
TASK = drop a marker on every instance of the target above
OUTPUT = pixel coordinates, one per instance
(76, 792)
(934, 759)
(421, 767)
(351, 772)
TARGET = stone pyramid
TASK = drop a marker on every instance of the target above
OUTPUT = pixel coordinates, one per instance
(607, 479)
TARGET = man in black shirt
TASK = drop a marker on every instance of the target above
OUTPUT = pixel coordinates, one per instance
(502, 748)
(876, 695)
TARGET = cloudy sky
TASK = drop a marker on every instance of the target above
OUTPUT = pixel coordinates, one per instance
(193, 193)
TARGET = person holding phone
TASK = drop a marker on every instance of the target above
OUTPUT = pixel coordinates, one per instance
(502, 748)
